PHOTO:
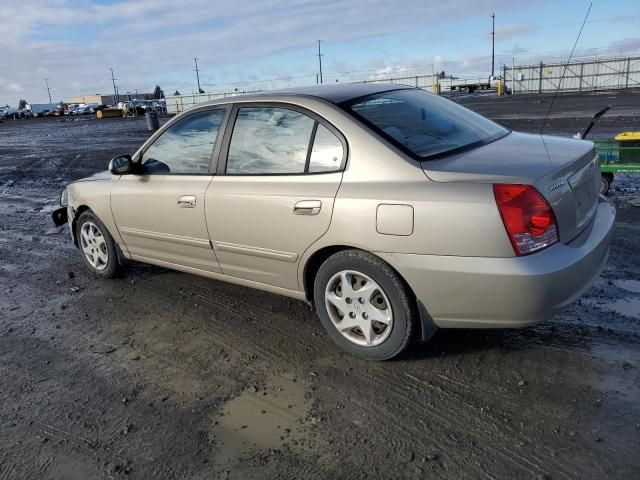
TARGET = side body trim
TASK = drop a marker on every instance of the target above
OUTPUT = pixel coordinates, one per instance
(167, 237)
(289, 257)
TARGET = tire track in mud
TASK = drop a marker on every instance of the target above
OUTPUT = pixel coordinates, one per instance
(223, 312)
(239, 309)
(210, 323)
(447, 416)
(57, 425)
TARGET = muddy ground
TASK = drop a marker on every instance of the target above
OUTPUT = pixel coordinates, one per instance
(167, 375)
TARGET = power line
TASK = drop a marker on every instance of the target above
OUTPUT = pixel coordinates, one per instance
(565, 68)
(46, 80)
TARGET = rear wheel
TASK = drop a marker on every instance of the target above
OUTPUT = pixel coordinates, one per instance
(99, 250)
(606, 179)
(364, 305)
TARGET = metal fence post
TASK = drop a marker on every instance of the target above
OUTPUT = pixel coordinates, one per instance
(504, 76)
(540, 80)
(628, 72)
(580, 80)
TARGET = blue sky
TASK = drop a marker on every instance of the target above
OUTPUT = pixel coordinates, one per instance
(248, 45)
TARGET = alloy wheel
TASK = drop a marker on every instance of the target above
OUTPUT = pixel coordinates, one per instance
(94, 246)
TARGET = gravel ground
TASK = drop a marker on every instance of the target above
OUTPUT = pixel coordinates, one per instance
(167, 375)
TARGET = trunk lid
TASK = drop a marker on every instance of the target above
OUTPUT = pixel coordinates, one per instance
(565, 171)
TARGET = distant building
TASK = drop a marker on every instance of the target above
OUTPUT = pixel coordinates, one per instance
(109, 99)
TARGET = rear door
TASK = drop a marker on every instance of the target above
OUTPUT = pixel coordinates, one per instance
(280, 169)
(160, 213)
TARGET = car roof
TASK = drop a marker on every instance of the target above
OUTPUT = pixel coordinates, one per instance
(338, 93)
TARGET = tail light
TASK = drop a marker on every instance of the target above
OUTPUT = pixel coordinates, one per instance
(527, 217)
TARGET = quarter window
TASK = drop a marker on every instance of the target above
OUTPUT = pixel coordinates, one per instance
(327, 151)
(185, 147)
(269, 140)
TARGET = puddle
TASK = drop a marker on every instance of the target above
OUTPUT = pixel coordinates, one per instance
(629, 307)
(261, 419)
(632, 286)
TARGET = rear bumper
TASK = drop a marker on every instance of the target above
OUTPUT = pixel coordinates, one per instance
(481, 292)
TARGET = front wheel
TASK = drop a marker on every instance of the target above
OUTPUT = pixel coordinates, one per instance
(364, 305)
(99, 250)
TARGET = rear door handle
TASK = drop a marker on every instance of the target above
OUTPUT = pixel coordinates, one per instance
(307, 207)
(187, 201)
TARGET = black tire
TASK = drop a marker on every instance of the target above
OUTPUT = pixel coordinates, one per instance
(606, 179)
(113, 267)
(402, 303)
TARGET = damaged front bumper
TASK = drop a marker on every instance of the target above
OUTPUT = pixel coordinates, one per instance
(60, 216)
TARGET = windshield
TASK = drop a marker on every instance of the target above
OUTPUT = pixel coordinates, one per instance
(424, 124)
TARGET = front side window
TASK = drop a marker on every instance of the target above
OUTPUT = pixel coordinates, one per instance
(425, 124)
(185, 147)
(269, 140)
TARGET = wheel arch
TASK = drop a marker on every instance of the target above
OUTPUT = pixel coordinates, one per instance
(74, 223)
(313, 263)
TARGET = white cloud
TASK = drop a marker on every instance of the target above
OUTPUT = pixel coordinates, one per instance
(76, 41)
(508, 31)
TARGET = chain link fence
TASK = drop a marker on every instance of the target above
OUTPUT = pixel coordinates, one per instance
(576, 76)
(579, 76)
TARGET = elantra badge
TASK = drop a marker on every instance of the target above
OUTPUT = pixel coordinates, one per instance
(555, 186)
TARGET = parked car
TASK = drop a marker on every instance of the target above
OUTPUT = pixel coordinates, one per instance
(391, 210)
(10, 112)
(87, 109)
(81, 110)
(70, 107)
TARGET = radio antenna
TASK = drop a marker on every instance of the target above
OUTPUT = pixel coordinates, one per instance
(565, 69)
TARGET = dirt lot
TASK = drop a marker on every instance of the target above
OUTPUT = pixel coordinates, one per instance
(167, 375)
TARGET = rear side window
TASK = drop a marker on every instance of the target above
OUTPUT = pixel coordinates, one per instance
(269, 140)
(327, 151)
(185, 147)
(424, 124)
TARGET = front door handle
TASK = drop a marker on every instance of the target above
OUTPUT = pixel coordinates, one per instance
(187, 201)
(307, 207)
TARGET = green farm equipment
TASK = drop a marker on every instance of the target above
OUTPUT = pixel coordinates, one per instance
(621, 155)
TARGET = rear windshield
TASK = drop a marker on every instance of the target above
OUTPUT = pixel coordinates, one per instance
(424, 124)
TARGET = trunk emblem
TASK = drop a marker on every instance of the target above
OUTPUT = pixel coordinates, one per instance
(555, 186)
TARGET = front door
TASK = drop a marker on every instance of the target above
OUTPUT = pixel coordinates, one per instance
(160, 212)
(275, 196)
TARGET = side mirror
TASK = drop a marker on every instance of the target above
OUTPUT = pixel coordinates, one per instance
(122, 165)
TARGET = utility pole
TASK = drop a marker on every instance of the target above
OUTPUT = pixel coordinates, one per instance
(320, 59)
(115, 90)
(197, 74)
(46, 80)
(493, 42)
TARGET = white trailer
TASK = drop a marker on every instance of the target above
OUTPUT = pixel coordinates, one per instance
(39, 109)
(470, 84)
